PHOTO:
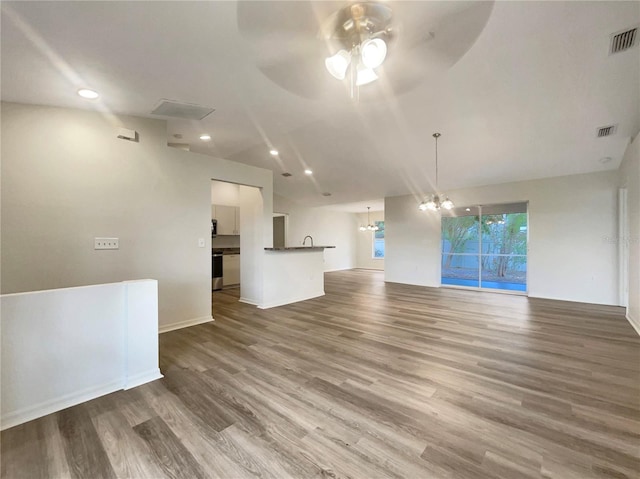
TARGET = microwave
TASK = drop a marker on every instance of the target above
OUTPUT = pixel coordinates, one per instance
(214, 228)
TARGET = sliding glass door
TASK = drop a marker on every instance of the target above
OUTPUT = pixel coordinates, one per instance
(485, 247)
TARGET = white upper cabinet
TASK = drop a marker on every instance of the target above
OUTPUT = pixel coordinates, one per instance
(226, 216)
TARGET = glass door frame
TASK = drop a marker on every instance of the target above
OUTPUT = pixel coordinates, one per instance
(479, 255)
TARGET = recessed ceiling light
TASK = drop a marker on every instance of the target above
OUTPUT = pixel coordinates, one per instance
(205, 137)
(468, 209)
(273, 152)
(88, 94)
(308, 172)
(606, 159)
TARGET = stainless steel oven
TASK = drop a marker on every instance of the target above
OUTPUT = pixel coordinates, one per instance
(216, 270)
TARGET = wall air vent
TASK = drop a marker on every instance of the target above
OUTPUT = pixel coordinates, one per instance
(622, 41)
(186, 111)
(286, 175)
(606, 131)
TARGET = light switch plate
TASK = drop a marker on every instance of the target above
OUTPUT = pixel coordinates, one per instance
(106, 243)
(201, 242)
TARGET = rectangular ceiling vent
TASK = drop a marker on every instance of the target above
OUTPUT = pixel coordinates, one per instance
(186, 111)
(623, 40)
(606, 131)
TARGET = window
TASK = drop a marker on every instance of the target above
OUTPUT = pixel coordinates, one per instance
(378, 241)
(485, 247)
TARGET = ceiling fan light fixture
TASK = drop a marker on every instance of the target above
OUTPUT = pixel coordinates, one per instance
(373, 52)
(337, 64)
(365, 75)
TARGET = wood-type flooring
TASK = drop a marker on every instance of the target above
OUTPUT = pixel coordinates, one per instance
(372, 380)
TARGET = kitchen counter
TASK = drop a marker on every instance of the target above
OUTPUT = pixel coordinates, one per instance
(225, 251)
(299, 248)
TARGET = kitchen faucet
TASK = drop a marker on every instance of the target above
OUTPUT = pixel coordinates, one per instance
(304, 241)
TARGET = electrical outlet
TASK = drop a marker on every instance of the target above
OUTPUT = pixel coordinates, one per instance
(201, 242)
(106, 243)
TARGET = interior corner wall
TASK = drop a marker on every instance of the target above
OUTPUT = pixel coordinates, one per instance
(572, 227)
(629, 178)
(364, 244)
(67, 178)
(251, 245)
(328, 228)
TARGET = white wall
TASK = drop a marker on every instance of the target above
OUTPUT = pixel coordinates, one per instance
(226, 194)
(66, 179)
(364, 243)
(629, 177)
(328, 228)
(302, 270)
(571, 222)
(97, 339)
(252, 245)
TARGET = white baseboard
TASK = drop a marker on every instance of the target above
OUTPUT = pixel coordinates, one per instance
(142, 378)
(338, 269)
(275, 304)
(633, 321)
(28, 414)
(248, 301)
(184, 324)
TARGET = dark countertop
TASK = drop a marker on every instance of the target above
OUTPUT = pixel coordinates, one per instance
(299, 248)
(225, 251)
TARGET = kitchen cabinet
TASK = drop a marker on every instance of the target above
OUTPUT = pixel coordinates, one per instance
(230, 269)
(228, 219)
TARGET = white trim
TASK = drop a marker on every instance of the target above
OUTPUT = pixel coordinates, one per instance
(572, 300)
(634, 322)
(514, 292)
(142, 378)
(337, 269)
(248, 301)
(623, 249)
(184, 324)
(290, 300)
(47, 407)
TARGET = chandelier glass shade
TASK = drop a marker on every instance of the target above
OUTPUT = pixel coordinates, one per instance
(369, 226)
(435, 201)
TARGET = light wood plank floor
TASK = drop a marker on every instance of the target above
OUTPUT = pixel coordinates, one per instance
(373, 380)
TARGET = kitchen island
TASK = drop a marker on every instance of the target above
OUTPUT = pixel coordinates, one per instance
(294, 273)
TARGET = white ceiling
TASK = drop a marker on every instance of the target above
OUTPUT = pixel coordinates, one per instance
(518, 98)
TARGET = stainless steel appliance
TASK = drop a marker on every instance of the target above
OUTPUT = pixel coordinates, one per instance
(216, 270)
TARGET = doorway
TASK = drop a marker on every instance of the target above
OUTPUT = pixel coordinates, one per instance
(485, 247)
(280, 224)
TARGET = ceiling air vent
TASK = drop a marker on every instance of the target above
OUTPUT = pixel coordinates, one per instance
(186, 111)
(623, 40)
(286, 175)
(606, 131)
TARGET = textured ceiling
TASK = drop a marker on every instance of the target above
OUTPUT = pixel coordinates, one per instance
(517, 89)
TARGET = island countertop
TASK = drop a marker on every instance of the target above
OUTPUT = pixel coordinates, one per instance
(299, 248)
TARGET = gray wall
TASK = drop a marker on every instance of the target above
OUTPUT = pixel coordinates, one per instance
(572, 221)
(66, 179)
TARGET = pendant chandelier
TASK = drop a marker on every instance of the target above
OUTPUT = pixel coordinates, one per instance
(369, 226)
(434, 203)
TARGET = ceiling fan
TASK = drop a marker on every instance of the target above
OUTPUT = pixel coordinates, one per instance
(369, 47)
